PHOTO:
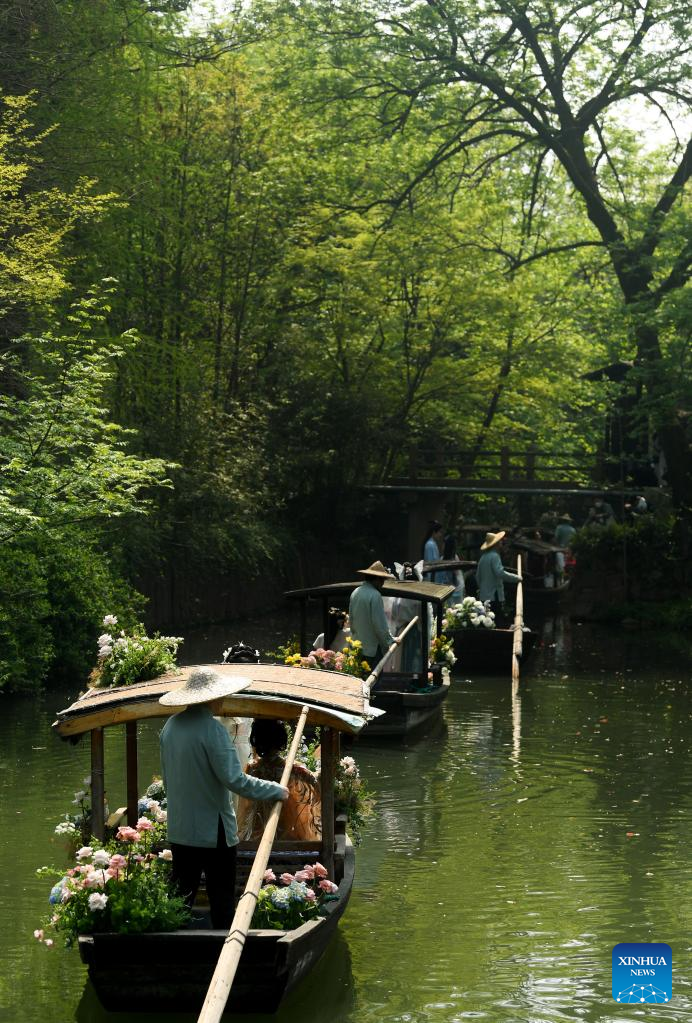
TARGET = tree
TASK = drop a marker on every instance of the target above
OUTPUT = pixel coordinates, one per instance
(547, 81)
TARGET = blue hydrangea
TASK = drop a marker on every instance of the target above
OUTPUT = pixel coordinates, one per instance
(281, 898)
(297, 891)
(56, 891)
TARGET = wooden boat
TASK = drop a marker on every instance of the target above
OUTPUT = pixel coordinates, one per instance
(410, 699)
(488, 651)
(544, 582)
(172, 970)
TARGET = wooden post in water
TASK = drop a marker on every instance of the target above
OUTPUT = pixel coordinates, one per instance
(131, 769)
(98, 791)
(518, 637)
(224, 974)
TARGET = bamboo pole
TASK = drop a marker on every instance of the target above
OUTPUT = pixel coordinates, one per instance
(224, 974)
(375, 673)
(518, 637)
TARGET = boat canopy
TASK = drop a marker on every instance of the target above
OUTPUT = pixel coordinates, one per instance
(446, 565)
(533, 546)
(409, 590)
(336, 699)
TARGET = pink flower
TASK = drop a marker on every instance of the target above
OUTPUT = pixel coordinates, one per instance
(117, 862)
(320, 871)
(84, 853)
(286, 878)
(127, 834)
(269, 876)
(144, 824)
(310, 896)
(309, 872)
(48, 942)
(38, 935)
(303, 875)
(328, 886)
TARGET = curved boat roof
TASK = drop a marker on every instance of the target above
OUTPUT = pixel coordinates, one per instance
(410, 590)
(335, 698)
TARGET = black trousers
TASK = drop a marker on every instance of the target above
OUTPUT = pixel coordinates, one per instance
(219, 871)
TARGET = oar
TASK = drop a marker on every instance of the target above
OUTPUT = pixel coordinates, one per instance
(518, 637)
(375, 673)
(220, 986)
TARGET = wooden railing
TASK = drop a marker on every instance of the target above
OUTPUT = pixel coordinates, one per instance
(504, 465)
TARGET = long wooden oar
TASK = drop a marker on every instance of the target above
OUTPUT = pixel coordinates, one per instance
(375, 673)
(224, 974)
(518, 637)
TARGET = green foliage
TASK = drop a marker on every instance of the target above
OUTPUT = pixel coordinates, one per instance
(53, 595)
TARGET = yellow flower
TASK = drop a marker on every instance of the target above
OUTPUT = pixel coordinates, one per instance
(365, 665)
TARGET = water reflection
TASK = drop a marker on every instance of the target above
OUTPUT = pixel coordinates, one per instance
(515, 842)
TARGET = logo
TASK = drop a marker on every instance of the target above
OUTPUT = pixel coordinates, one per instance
(642, 972)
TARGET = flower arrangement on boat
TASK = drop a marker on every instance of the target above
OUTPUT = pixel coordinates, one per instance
(121, 886)
(352, 797)
(76, 827)
(442, 651)
(125, 658)
(350, 660)
(286, 902)
(470, 613)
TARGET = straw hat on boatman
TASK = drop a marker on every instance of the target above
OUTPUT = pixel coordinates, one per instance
(492, 540)
(200, 768)
(491, 574)
(366, 614)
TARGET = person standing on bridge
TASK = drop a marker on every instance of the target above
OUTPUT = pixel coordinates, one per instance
(491, 574)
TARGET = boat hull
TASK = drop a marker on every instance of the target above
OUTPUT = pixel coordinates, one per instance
(405, 710)
(171, 971)
(488, 651)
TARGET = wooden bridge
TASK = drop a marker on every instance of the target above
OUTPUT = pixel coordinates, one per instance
(504, 472)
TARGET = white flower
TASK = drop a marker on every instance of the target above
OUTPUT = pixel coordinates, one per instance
(166, 855)
(104, 651)
(110, 620)
(79, 797)
(84, 853)
(488, 622)
(105, 640)
(97, 901)
(121, 644)
(87, 781)
(161, 816)
(65, 828)
(94, 879)
(101, 858)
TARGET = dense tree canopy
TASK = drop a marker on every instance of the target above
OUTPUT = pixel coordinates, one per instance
(336, 233)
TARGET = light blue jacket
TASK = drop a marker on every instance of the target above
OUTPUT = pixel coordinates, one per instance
(491, 576)
(200, 769)
(368, 620)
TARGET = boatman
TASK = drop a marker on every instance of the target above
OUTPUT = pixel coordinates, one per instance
(491, 574)
(200, 769)
(366, 613)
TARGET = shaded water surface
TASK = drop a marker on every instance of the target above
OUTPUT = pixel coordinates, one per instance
(514, 845)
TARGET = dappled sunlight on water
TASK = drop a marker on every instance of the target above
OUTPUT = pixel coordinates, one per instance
(515, 843)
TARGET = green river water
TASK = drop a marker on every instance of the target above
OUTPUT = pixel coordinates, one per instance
(515, 843)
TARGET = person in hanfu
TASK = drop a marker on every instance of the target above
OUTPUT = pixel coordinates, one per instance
(432, 547)
(452, 575)
(409, 656)
(491, 574)
(301, 814)
(337, 634)
(201, 769)
(366, 614)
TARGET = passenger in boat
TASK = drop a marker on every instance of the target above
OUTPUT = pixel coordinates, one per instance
(301, 814)
(491, 574)
(432, 546)
(338, 632)
(200, 770)
(366, 613)
(452, 575)
(600, 513)
(408, 658)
